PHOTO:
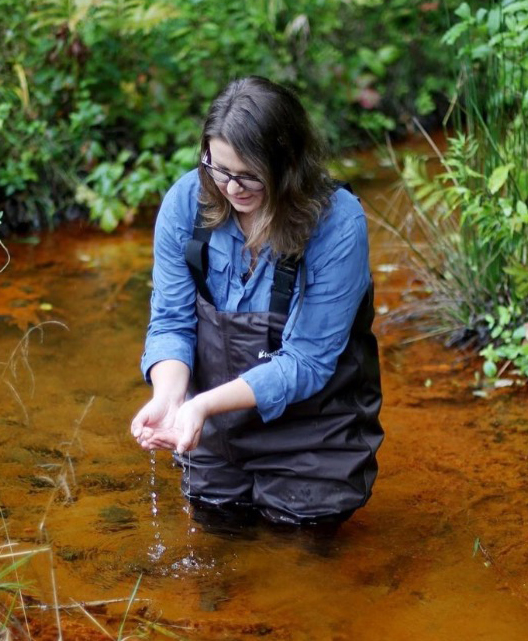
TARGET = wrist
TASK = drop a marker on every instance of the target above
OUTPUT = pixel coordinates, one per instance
(168, 396)
(201, 404)
(170, 380)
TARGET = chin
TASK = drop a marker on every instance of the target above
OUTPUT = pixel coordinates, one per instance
(243, 208)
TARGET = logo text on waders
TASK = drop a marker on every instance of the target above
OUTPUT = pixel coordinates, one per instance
(264, 354)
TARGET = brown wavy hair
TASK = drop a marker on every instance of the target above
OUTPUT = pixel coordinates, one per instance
(269, 129)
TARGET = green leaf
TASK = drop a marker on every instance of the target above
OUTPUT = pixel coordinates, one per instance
(494, 18)
(108, 221)
(519, 333)
(504, 315)
(463, 11)
(129, 604)
(389, 54)
(522, 209)
(490, 369)
(499, 177)
(5, 571)
(481, 52)
(481, 14)
(433, 200)
(424, 102)
(453, 34)
(516, 6)
(522, 183)
(496, 332)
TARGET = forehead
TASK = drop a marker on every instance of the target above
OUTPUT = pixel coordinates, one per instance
(225, 157)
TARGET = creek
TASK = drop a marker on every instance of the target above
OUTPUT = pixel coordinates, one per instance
(439, 553)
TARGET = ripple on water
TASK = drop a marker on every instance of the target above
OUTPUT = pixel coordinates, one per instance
(191, 564)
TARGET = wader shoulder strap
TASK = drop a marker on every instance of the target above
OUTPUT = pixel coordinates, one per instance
(338, 184)
(283, 284)
(197, 256)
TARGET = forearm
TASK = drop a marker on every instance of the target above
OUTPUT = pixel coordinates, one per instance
(235, 395)
(170, 379)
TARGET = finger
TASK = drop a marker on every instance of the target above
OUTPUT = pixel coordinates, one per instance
(186, 442)
(144, 436)
(182, 447)
(195, 441)
(157, 444)
(164, 439)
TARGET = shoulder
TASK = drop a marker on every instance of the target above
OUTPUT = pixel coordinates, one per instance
(184, 193)
(344, 208)
(179, 206)
(340, 231)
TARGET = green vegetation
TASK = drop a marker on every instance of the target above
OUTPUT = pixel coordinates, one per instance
(101, 104)
(472, 218)
(10, 585)
(101, 101)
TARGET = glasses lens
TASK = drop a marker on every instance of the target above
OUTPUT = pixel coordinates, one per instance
(216, 174)
(251, 184)
(219, 176)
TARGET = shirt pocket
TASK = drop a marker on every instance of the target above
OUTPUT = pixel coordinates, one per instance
(218, 277)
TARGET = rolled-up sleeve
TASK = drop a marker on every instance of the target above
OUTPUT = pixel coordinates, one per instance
(172, 329)
(338, 276)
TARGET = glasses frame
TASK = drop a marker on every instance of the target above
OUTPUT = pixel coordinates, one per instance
(229, 177)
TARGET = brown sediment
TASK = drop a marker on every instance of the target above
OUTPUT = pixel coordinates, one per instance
(439, 552)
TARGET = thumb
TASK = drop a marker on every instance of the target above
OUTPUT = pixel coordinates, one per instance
(189, 439)
(141, 419)
(182, 447)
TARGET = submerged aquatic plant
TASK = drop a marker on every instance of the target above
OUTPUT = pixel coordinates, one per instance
(469, 221)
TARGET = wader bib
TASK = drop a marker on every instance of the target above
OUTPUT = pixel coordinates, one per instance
(317, 460)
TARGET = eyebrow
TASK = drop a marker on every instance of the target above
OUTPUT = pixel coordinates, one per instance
(249, 175)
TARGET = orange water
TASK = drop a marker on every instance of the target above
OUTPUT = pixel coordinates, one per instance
(439, 553)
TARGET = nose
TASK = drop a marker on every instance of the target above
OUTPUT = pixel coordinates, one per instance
(233, 187)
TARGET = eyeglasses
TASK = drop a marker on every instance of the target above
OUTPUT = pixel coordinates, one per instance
(250, 183)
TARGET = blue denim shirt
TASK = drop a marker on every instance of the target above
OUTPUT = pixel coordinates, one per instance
(337, 276)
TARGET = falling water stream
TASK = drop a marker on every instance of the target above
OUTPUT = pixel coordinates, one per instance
(439, 553)
(157, 548)
(190, 561)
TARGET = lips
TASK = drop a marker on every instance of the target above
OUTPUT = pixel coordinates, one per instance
(240, 201)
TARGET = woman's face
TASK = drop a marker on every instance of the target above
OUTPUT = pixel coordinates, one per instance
(223, 156)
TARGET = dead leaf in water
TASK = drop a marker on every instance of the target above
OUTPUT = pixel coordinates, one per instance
(20, 301)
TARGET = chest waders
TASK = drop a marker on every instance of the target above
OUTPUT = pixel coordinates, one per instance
(317, 460)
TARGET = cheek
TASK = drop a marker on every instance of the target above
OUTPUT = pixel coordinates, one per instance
(222, 188)
(259, 199)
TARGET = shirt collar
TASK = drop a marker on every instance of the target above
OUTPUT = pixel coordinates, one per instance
(232, 227)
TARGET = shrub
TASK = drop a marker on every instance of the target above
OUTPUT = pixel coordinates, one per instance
(472, 217)
(101, 101)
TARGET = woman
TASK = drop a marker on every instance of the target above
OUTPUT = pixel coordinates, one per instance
(261, 319)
